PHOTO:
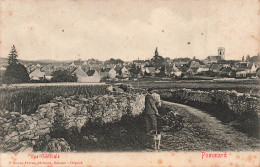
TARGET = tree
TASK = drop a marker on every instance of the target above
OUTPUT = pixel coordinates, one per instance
(63, 76)
(135, 70)
(12, 58)
(157, 60)
(15, 72)
(247, 58)
(114, 61)
(243, 58)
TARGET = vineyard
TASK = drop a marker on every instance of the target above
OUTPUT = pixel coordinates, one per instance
(242, 86)
(26, 100)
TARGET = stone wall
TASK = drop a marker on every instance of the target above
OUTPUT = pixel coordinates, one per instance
(229, 106)
(238, 103)
(20, 132)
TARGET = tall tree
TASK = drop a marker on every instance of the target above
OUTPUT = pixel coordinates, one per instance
(12, 58)
(15, 72)
(248, 58)
(243, 58)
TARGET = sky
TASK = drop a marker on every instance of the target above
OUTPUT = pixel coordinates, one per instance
(129, 29)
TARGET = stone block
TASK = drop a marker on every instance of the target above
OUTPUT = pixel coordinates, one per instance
(43, 121)
(42, 131)
(21, 126)
(43, 126)
(14, 147)
(26, 149)
(13, 139)
(28, 136)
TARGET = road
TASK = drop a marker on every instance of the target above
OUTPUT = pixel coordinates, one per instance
(203, 132)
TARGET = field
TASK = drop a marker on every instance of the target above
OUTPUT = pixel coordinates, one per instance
(242, 86)
(26, 100)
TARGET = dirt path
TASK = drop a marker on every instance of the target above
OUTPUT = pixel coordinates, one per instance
(203, 132)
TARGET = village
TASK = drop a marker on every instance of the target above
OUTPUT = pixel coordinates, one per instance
(93, 70)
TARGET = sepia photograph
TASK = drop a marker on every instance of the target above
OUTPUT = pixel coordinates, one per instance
(129, 83)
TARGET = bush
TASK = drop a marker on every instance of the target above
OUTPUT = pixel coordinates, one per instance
(63, 76)
(16, 73)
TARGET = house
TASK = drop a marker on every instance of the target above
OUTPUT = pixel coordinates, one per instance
(172, 71)
(112, 73)
(215, 67)
(241, 73)
(202, 68)
(196, 66)
(125, 72)
(93, 76)
(81, 75)
(37, 75)
(247, 67)
(227, 72)
(90, 76)
(48, 75)
(149, 70)
(38, 65)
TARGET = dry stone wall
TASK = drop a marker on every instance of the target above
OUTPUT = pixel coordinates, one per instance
(20, 132)
(240, 109)
(238, 103)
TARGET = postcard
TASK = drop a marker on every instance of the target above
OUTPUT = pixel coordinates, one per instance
(94, 83)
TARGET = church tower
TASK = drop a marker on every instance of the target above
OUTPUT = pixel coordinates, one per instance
(221, 52)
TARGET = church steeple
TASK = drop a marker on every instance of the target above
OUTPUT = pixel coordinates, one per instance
(156, 54)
